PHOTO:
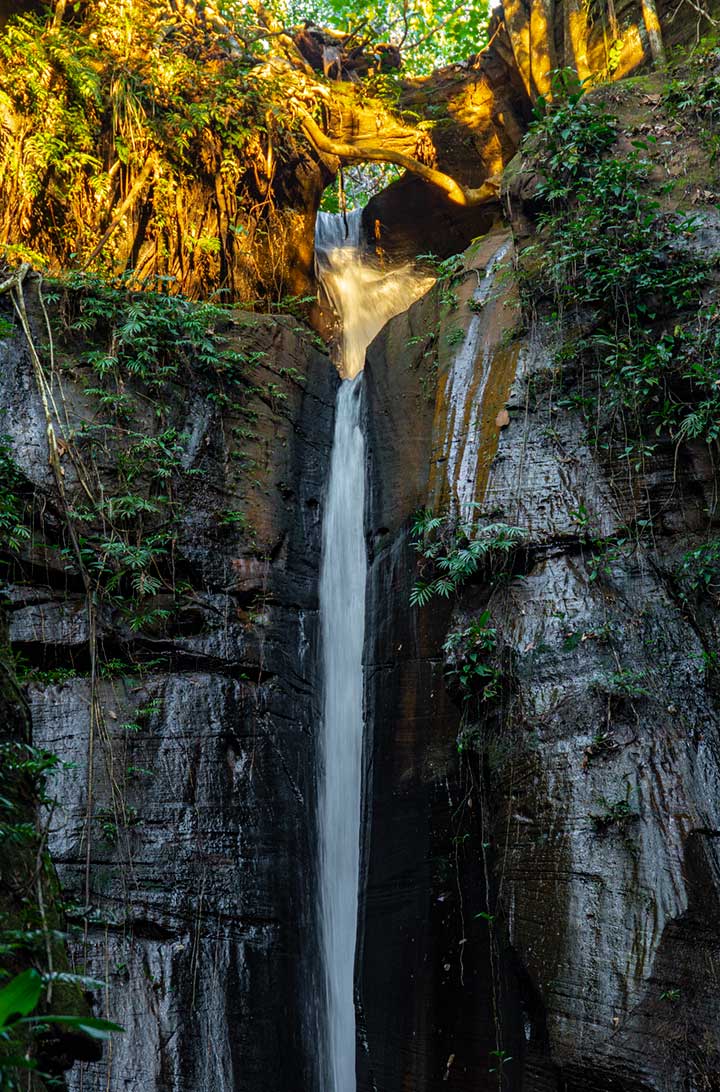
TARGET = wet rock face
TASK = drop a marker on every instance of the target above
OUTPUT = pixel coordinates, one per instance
(584, 819)
(184, 826)
(426, 997)
(608, 789)
(191, 901)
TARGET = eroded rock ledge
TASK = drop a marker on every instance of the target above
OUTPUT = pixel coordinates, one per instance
(186, 179)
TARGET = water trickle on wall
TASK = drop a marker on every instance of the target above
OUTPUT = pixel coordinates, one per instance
(364, 296)
(465, 390)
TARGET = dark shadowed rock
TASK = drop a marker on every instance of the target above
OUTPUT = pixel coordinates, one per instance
(584, 816)
(184, 827)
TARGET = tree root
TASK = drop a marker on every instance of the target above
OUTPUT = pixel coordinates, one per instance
(454, 191)
(124, 207)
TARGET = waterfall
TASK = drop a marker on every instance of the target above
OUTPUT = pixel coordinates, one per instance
(342, 609)
(364, 296)
(363, 293)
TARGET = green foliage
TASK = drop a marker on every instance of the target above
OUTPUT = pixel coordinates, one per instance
(192, 114)
(23, 1023)
(569, 133)
(143, 716)
(693, 95)
(618, 814)
(20, 997)
(430, 32)
(624, 273)
(455, 337)
(605, 553)
(456, 549)
(115, 668)
(233, 517)
(356, 184)
(627, 683)
(23, 769)
(158, 86)
(469, 655)
(113, 821)
(449, 272)
(65, 141)
(117, 101)
(446, 267)
(143, 354)
(698, 573)
(615, 249)
(699, 96)
(150, 337)
(13, 528)
(500, 1058)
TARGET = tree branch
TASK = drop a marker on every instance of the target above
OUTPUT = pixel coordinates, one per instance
(266, 20)
(454, 191)
(437, 26)
(59, 14)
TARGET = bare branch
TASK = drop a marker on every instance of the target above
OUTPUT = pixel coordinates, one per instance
(265, 19)
(124, 207)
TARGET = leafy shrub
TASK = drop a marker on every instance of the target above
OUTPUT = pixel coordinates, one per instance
(13, 527)
(694, 94)
(616, 813)
(23, 1023)
(627, 683)
(25, 994)
(150, 337)
(144, 351)
(568, 133)
(698, 572)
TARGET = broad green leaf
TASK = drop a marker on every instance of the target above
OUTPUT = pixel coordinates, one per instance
(16, 1061)
(20, 996)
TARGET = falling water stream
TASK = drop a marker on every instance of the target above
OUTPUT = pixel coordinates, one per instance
(342, 606)
(364, 296)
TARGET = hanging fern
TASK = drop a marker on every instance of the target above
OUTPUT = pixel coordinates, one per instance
(457, 549)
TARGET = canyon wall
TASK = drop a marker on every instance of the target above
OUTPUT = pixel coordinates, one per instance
(550, 867)
(184, 819)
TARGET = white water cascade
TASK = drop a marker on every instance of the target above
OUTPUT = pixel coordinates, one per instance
(364, 297)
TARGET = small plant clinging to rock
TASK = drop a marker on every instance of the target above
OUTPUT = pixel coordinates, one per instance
(456, 549)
